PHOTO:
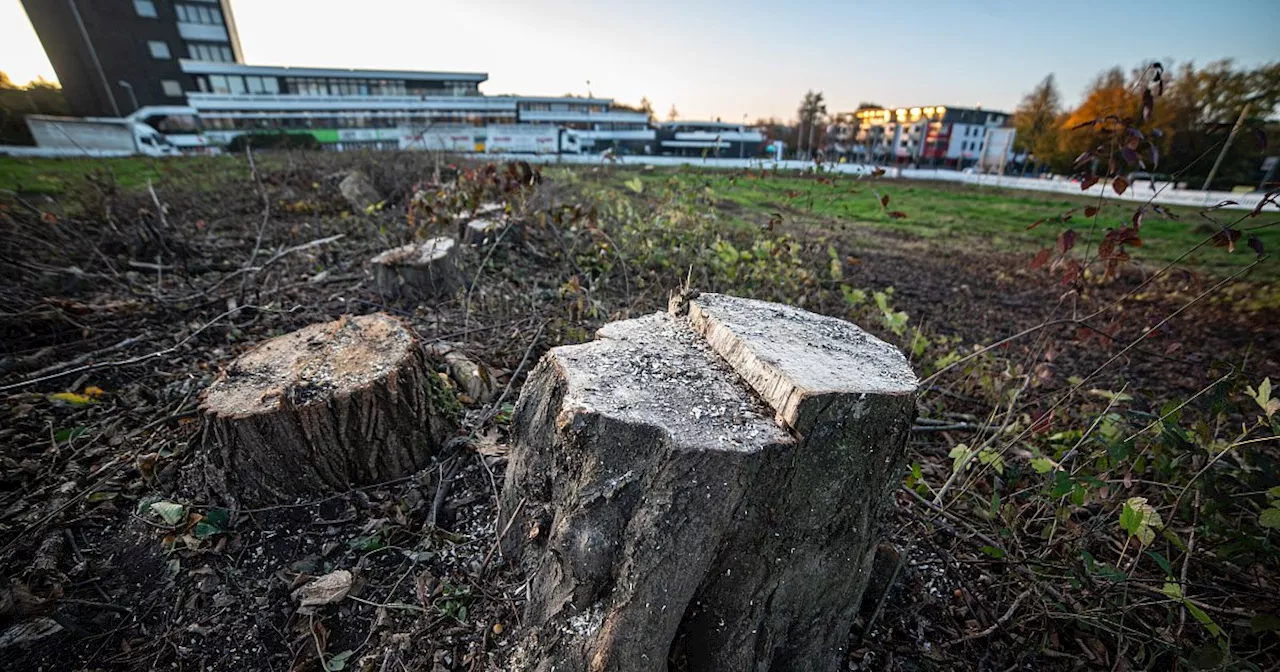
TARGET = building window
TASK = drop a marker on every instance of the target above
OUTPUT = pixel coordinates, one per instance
(219, 84)
(158, 49)
(193, 14)
(145, 8)
(171, 88)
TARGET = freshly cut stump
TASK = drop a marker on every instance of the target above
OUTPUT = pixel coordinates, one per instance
(325, 408)
(707, 488)
(418, 271)
(478, 231)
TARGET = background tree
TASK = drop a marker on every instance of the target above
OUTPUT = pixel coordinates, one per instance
(673, 114)
(813, 107)
(16, 102)
(1036, 121)
(646, 106)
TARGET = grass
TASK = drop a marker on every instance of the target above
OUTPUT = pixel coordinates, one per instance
(996, 218)
(55, 177)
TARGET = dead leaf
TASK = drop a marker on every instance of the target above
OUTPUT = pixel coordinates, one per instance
(330, 588)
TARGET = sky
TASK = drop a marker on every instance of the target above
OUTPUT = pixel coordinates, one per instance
(726, 60)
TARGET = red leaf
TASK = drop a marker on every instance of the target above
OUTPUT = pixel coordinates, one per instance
(1067, 240)
(1036, 223)
(1106, 248)
(897, 214)
(1255, 243)
(1042, 422)
(1041, 258)
(1088, 181)
(1226, 238)
(49, 218)
(1090, 211)
(884, 201)
(1137, 217)
(1120, 184)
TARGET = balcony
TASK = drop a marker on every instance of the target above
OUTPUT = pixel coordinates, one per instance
(587, 117)
(206, 102)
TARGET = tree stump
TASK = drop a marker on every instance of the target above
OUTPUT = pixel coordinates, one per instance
(418, 271)
(705, 489)
(325, 408)
(480, 230)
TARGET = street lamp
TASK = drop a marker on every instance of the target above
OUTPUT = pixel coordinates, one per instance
(132, 96)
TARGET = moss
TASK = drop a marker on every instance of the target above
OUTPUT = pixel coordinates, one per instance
(443, 397)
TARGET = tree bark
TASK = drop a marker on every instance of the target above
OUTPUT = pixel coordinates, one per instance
(704, 489)
(325, 408)
(418, 271)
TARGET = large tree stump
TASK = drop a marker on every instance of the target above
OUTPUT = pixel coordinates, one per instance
(418, 271)
(325, 408)
(704, 488)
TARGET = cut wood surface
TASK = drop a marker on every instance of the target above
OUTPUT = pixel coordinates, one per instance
(480, 230)
(663, 513)
(418, 271)
(322, 409)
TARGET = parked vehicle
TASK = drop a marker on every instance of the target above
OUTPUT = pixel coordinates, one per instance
(530, 139)
(91, 136)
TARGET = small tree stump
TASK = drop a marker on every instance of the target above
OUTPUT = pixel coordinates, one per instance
(663, 513)
(327, 407)
(477, 231)
(418, 271)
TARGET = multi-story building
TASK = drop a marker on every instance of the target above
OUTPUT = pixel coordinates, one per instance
(114, 56)
(180, 60)
(935, 135)
(708, 138)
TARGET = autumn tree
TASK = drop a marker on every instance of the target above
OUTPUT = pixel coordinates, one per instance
(1036, 121)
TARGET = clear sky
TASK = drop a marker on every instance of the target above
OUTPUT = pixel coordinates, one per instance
(728, 59)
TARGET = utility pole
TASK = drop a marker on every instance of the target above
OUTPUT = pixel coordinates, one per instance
(1213, 172)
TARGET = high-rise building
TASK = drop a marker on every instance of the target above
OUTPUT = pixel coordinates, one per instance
(114, 56)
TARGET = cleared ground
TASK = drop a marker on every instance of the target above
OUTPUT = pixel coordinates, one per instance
(119, 308)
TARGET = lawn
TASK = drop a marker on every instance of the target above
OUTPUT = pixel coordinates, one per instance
(1000, 218)
(59, 176)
